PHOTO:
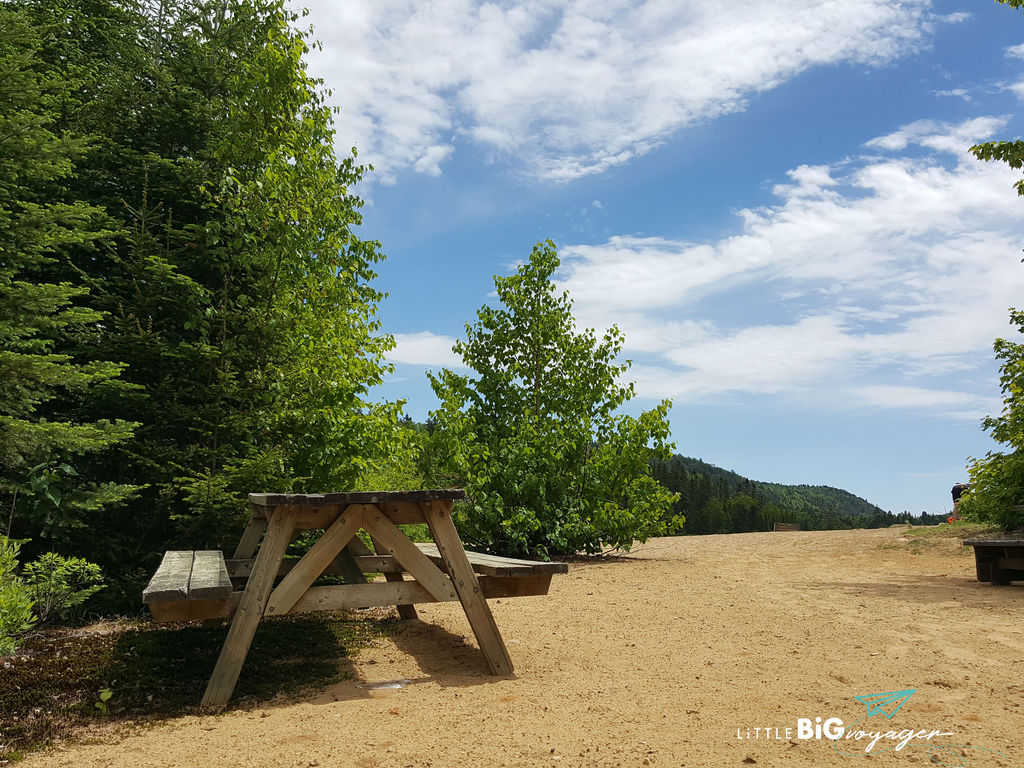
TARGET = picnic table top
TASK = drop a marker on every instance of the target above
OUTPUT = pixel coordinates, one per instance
(353, 497)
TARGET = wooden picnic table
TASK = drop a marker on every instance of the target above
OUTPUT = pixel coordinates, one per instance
(198, 585)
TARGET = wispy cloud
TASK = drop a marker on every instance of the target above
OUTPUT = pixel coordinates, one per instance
(943, 137)
(959, 93)
(1016, 51)
(883, 277)
(566, 89)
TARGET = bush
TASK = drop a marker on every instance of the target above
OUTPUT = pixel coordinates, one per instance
(997, 491)
(59, 584)
(15, 600)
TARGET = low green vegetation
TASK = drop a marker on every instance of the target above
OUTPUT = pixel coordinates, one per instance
(130, 673)
(959, 529)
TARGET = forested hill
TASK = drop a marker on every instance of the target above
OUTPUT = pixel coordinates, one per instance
(716, 500)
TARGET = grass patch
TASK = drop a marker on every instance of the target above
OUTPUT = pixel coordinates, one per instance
(51, 687)
(961, 529)
(946, 536)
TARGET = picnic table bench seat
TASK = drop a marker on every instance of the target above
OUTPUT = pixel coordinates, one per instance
(189, 584)
(998, 560)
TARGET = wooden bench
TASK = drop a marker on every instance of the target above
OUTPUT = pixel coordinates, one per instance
(998, 561)
(189, 585)
(787, 526)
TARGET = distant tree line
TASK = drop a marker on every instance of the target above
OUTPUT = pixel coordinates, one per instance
(715, 500)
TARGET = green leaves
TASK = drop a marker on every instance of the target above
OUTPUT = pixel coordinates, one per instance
(187, 229)
(44, 385)
(58, 585)
(997, 480)
(15, 601)
(551, 465)
(1009, 152)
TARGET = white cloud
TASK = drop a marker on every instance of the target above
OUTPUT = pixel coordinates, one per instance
(566, 89)
(943, 137)
(1017, 88)
(430, 162)
(954, 18)
(1016, 51)
(875, 270)
(963, 404)
(425, 348)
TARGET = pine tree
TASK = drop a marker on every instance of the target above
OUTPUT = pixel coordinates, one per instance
(41, 442)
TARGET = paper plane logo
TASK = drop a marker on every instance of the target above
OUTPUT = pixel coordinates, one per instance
(888, 703)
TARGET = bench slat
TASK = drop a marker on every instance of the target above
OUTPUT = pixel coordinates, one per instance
(492, 565)
(170, 582)
(210, 580)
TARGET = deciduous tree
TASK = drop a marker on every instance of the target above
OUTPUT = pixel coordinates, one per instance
(536, 433)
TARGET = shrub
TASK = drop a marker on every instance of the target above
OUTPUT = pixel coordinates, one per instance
(59, 584)
(15, 600)
(997, 480)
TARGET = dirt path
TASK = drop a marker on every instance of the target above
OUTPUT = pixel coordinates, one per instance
(658, 659)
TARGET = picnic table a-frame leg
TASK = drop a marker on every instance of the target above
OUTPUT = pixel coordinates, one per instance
(406, 612)
(250, 541)
(222, 683)
(439, 518)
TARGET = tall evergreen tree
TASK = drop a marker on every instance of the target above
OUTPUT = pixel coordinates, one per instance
(235, 290)
(45, 389)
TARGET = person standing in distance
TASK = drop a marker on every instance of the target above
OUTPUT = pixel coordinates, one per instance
(958, 490)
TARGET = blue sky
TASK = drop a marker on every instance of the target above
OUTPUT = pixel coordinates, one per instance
(773, 200)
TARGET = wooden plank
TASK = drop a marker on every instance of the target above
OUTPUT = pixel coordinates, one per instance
(354, 497)
(402, 512)
(313, 563)
(240, 569)
(514, 586)
(787, 526)
(350, 596)
(192, 610)
(439, 518)
(323, 515)
(251, 537)
(380, 527)
(314, 517)
(493, 565)
(250, 611)
(1007, 542)
(210, 580)
(379, 564)
(170, 582)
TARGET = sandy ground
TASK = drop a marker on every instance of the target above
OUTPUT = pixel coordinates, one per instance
(663, 658)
